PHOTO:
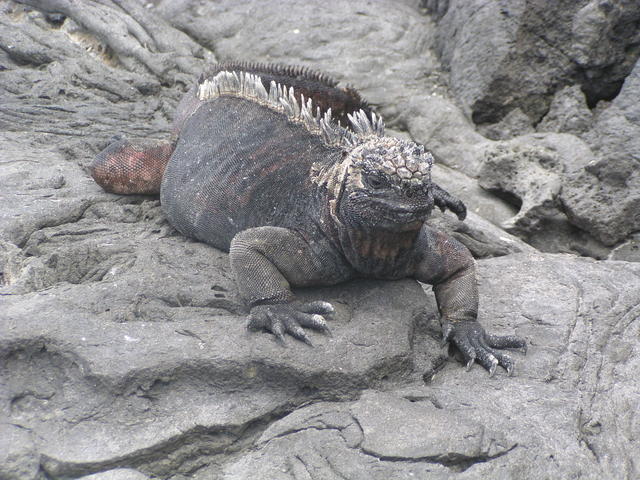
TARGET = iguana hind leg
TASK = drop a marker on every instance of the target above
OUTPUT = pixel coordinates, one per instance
(129, 167)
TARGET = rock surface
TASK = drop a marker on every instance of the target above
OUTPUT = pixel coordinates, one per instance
(123, 351)
(604, 197)
(517, 54)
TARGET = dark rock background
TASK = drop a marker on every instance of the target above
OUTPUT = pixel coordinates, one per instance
(123, 352)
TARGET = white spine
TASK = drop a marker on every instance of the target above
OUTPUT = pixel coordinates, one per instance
(281, 99)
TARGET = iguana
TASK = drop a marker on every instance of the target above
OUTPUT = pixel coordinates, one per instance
(258, 166)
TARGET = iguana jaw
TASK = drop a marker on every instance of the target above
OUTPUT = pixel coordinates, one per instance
(400, 212)
(361, 210)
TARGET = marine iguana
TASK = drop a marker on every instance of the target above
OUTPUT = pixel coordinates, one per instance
(259, 166)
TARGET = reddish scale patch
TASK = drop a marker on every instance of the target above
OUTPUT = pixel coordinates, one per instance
(129, 168)
(245, 194)
(384, 247)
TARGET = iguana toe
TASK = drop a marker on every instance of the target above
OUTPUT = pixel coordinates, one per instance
(318, 306)
(293, 328)
(314, 321)
(506, 341)
(476, 346)
(287, 318)
(445, 201)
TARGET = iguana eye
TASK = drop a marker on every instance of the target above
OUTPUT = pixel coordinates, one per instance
(376, 181)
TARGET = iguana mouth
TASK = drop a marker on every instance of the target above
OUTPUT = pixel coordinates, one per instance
(390, 212)
(398, 208)
(400, 213)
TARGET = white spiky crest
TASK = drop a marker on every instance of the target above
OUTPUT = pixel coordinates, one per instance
(297, 109)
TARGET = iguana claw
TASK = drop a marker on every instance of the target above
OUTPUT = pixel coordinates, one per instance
(284, 318)
(476, 346)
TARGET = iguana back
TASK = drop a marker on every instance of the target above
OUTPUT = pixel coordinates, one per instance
(239, 164)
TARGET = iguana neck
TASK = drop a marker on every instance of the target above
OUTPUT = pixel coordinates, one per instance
(370, 251)
(376, 252)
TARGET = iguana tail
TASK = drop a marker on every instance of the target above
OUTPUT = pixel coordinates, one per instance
(132, 167)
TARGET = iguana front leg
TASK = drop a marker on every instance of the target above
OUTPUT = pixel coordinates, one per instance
(450, 268)
(266, 261)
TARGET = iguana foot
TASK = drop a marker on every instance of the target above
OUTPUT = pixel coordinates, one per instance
(476, 345)
(291, 318)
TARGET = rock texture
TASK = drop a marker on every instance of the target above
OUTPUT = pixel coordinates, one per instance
(604, 197)
(123, 351)
(517, 54)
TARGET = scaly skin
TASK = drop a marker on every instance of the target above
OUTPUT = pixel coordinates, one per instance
(259, 174)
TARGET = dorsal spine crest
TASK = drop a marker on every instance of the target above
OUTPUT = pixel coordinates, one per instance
(273, 69)
(295, 107)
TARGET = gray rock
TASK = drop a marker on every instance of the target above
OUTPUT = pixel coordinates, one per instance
(514, 123)
(123, 351)
(558, 409)
(362, 441)
(117, 474)
(517, 54)
(19, 457)
(124, 28)
(386, 55)
(603, 36)
(444, 129)
(480, 236)
(628, 251)
(474, 40)
(532, 172)
(604, 203)
(378, 415)
(389, 40)
(604, 197)
(477, 199)
(625, 99)
(123, 344)
(568, 112)
(55, 190)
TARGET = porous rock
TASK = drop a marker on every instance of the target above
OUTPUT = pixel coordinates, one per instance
(604, 197)
(553, 63)
(532, 172)
(517, 54)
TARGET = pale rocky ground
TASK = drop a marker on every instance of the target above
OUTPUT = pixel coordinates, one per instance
(123, 348)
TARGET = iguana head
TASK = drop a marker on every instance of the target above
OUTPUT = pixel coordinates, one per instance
(387, 185)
